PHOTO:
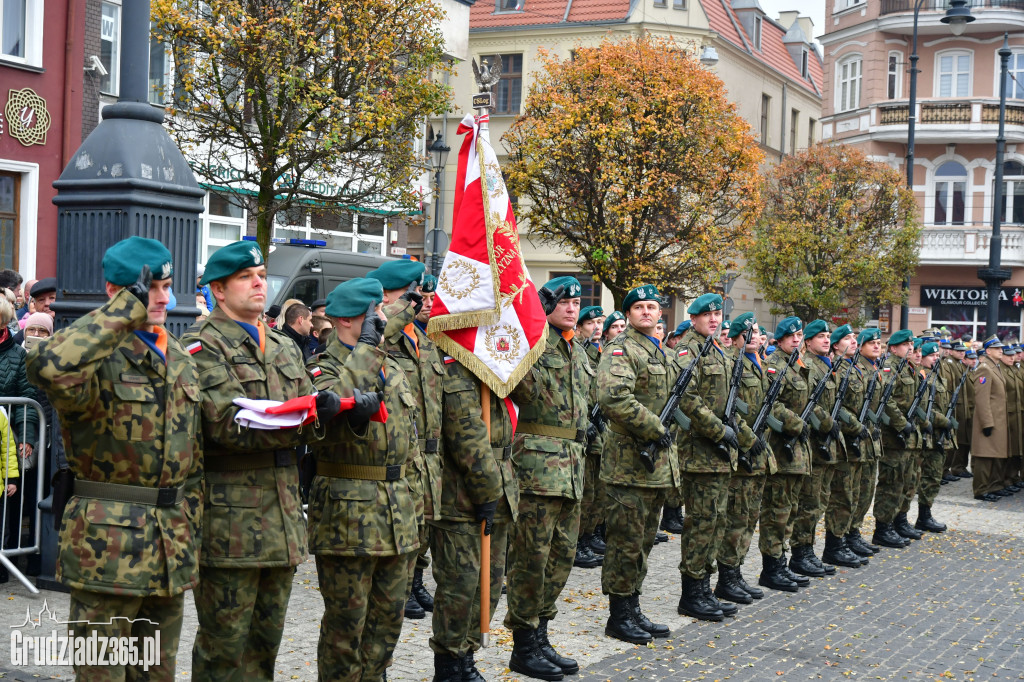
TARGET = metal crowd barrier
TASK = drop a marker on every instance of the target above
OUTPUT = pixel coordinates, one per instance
(20, 508)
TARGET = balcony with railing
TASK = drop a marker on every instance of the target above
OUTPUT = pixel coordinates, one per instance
(972, 120)
(897, 16)
(901, 6)
(969, 245)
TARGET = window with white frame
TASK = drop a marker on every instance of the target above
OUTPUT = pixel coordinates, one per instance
(1014, 77)
(894, 83)
(21, 31)
(954, 74)
(159, 72)
(110, 46)
(222, 223)
(757, 33)
(1013, 193)
(357, 232)
(950, 192)
(848, 79)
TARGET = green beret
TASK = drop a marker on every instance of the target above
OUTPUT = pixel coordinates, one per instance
(122, 263)
(352, 298)
(901, 336)
(228, 260)
(917, 343)
(763, 330)
(428, 284)
(929, 348)
(869, 334)
(591, 312)
(840, 332)
(647, 292)
(608, 321)
(397, 274)
(705, 303)
(789, 325)
(741, 323)
(814, 328)
(571, 285)
(681, 329)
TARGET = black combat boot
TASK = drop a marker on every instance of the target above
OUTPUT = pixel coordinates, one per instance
(772, 576)
(755, 592)
(597, 542)
(902, 527)
(568, 665)
(694, 604)
(727, 609)
(800, 580)
(585, 557)
(801, 563)
(657, 630)
(927, 522)
(728, 586)
(622, 622)
(469, 671)
(527, 659)
(672, 519)
(857, 545)
(886, 536)
(420, 592)
(836, 552)
(813, 558)
(413, 610)
(447, 668)
(660, 537)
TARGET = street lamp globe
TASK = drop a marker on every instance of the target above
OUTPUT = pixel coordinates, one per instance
(438, 153)
(957, 16)
(709, 56)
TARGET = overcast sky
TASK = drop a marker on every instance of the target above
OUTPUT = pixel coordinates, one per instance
(815, 9)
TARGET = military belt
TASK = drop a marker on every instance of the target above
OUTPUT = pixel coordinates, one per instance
(248, 462)
(578, 435)
(360, 471)
(133, 494)
(428, 445)
(618, 429)
(503, 453)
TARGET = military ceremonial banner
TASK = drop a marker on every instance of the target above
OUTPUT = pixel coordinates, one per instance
(486, 311)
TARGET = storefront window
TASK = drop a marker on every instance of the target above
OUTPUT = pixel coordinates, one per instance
(223, 223)
(960, 320)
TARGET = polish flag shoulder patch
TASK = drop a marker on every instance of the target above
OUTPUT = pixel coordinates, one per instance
(887, 369)
(684, 352)
(617, 351)
(315, 372)
(448, 359)
(194, 348)
(771, 370)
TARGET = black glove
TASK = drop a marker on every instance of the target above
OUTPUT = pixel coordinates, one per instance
(592, 433)
(987, 431)
(756, 449)
(550, 299)
(140, 289)
(665, 441)
(729, 438)
(485, 512)
(835, 430)
(366, 405)
(328, 404)
(805, 433)
(413, 296)
(908, 429)
(876, 433)
(863, 435)
(372, 330)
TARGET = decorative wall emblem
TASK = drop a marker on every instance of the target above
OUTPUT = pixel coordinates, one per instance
(27, 118)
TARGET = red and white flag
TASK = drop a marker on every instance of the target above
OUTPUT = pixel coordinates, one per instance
(486, 311)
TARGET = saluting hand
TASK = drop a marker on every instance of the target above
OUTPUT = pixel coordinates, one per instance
(373, 327)
(413, 296)
(549, 299)
(140, 289)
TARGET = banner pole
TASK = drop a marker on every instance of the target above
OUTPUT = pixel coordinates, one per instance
(485, 540)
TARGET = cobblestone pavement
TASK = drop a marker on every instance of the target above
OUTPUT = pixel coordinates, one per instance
(951, 606)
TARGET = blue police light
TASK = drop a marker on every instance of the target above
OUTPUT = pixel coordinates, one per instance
(308, 242)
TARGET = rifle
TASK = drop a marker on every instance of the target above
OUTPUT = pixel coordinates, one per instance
(812, 402)
(865, 409)
(671, 412)
(844, 386)
(951, 409)
(597, 419)
(733, 402)
(915, 413)
(887, 393)
(764, 417)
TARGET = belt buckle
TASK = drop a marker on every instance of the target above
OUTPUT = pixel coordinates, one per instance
(430, 446)
(282, 458)
(581, 435)
(506, 452)
(166, 497)
(393, 472)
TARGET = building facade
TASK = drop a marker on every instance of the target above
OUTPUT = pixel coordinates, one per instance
(867, 48)
(771, 69)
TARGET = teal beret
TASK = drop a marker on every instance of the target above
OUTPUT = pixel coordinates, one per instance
(571, 285)
(352, 298)
(840, 332)
(814, 328)
(591, 312)
(705, 303)
(763, 330)
(917, 343)
(647, 292)
(901, 336)
(681, 329)
(228, 260)
(741, 323)
(929, 348)
(397, 274)
(122, 263)
(869, 334)
(608, 321)
(429, 284)
(789, 325)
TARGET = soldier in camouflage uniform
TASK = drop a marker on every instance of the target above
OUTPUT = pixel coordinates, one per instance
(363, 512)
(592, 509)
(254, 534)
(405, 299)
(865, 474)
(548, 454)
(633, 384)
(613, 325)
(896, 430)
(779, 500)
(708, 452)
(745, 487)
(128, 399)
(916, 444)
(478, 484)
(934, 455)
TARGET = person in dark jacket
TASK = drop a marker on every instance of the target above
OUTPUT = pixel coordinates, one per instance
(298, 321)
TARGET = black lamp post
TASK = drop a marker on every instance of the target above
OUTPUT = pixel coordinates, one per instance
(439, 158)
(957, 16)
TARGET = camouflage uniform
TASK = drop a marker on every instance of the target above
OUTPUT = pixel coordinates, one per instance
(865, 475)
(131, 420)
(476, 469)
(934, 458)
(894, 465)
(915, 444)
(840, 499)
(594, 497)
(254, 534)
(706, 474)
(633, 383)
(778, 503)
(363, 515)
(814, 489)
(548, 454)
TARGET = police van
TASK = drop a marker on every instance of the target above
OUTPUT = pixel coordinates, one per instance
(307, 270)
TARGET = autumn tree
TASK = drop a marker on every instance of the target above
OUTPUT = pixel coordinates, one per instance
(632, 160)
(838, 232)
(301, 101)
